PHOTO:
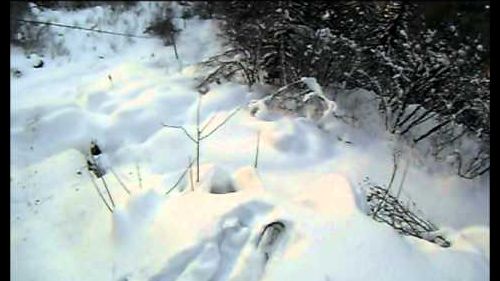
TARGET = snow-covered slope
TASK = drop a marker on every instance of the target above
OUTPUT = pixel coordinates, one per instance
(306, 182)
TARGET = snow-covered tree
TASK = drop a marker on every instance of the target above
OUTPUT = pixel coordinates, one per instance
(419, 72)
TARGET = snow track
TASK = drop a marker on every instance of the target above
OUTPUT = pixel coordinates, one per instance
(222, 257)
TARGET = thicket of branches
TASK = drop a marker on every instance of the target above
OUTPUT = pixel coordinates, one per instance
(431, 76)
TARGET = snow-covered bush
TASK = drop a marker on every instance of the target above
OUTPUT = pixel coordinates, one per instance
(428, 79)
(303, 97)
(402, 216)
(230, 65)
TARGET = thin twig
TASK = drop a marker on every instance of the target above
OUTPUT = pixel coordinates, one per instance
(394, 170)
(257, 151)
(99, 192)
(403, 179)
(138, 175)
(198, 135)
(107, 190)
(285, 87)
(119, 180)
(431, 131)
(172, 37)
(180, 179)
(208, 122)
(191, 173)
(221, 124)
(181, 128)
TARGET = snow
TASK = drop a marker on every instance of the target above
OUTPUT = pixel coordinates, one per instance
(306, 178)
(247, 178)
(36, 60)
(216, 180)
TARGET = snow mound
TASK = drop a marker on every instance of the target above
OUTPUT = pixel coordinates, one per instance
(475, 239)
(297, 136)
(260, 110)
(36, 61)
(215, 179)
(136, 215)
(246, 178)
(330, 195)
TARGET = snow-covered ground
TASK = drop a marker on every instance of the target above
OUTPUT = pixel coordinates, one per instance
(307, 179)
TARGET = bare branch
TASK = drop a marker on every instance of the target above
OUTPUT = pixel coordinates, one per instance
(191, 173)
(180, 178)
(221, 124)
(181, 128)
(394, 170)
(198, 134)
(285, 87)
(403, 179)
(119, 180)
(208, 122)
(409, 116)
(99, 192)
(109, 193)
(431, 131)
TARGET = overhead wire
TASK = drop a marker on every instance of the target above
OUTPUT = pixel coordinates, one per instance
(84, 28)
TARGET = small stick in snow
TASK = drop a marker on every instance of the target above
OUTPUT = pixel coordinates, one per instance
(220, 124)
(257, 151)
(198, 134)
(109, 193)
(99, 192)
(191, 173)
(138, 175)
(180, 178)
(119, 180)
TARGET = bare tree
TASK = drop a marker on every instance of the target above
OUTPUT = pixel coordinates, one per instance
(202, 133)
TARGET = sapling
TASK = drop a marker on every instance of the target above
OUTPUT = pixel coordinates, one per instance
(200, 132)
